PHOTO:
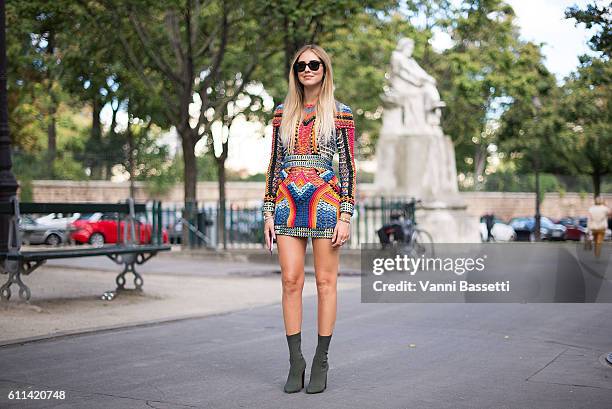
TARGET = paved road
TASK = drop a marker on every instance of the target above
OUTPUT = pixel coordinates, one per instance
(381, 356)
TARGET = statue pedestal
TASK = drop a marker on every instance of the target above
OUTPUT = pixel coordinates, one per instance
(420, 166)
(423, 166)
(448, 222)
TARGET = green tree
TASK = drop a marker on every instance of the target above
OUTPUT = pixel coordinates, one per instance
(587, 137)
(35, 36)
(586, 140)
(529, 126)
(178, 50)
(483, 68)
(599, 18)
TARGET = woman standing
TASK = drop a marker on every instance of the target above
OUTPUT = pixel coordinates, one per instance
(305, 198)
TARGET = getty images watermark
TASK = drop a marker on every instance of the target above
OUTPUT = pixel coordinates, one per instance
(486, 272)
(412, 264)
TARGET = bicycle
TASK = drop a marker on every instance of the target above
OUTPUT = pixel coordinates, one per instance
(404, 235)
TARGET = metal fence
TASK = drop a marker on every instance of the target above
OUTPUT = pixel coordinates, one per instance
(244, 223)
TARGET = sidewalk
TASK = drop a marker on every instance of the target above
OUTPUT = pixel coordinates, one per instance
(66, 294)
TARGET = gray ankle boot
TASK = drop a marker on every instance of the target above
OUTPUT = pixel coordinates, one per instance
(318, 370)
(295, 379)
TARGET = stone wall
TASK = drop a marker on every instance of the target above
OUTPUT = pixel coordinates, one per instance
(509, 204)
(504, 204)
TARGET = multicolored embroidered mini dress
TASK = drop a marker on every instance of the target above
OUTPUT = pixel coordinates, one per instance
(302, 189)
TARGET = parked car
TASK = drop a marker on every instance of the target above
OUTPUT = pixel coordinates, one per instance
(35, 232)
(607, 235)
(525, 229)
(500, 231)
(98, 229)
(58, 220)
(576, 228)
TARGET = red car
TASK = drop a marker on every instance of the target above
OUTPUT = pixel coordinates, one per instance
(576, 228)
(98, 229)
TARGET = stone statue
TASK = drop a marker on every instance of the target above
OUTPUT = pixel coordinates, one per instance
(411, 93)
(414, 157)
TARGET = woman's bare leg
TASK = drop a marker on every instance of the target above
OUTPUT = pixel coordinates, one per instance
(326, 260)
(291, 257)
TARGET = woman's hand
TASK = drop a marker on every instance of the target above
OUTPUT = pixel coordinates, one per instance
(341, 233)
(269, 233)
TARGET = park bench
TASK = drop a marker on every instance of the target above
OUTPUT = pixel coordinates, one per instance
(15, 262)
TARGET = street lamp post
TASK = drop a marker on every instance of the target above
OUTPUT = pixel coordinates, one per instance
(8, 183)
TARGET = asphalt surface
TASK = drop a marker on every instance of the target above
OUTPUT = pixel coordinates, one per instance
(381, 356)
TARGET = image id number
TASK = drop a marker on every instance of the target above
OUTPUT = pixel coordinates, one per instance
(36, 395)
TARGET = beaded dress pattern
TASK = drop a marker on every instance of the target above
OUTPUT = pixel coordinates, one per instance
(302, 189)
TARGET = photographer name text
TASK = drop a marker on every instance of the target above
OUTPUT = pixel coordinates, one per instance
(454, 286)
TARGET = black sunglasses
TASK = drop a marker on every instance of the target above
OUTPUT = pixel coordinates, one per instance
(300, 66)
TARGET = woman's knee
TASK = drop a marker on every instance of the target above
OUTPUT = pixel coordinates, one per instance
(293, 282)
(326, 282)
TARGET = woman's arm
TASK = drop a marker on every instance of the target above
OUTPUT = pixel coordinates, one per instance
(345, 142)
(274, 166)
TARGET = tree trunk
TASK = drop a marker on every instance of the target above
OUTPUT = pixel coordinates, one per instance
(222, 231)
(96, 136)
(51, 128)
(52, 141)
(190, 168)
(538, 234)
(190, 180)
(222, 200)
(108, 171)
(131, 166)
(480, 161)
(596, 183)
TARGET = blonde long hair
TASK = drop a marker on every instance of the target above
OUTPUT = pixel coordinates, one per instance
(294, 102)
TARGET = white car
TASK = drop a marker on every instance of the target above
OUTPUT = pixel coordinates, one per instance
(57, 220)
(500, 231)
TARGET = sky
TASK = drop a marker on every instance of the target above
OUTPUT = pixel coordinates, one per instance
(544, 21)
(539, 21)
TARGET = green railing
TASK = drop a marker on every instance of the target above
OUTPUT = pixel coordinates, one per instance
(244, 223)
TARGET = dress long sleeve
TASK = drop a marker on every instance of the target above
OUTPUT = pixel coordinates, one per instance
(273, 175)
(345, 140)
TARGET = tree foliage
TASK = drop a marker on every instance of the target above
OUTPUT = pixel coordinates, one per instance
(596, 17)
(201, 67)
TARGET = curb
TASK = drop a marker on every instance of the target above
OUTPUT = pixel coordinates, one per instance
(349, 258)
(110, 328)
